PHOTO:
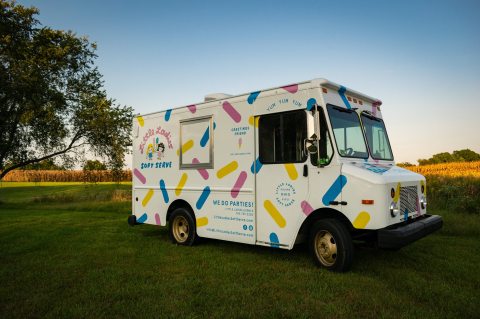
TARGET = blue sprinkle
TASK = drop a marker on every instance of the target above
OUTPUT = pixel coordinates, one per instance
(252, 97)
(167, 115)
(206, 135)
(203, 197)
(311, 103)
(405, 214)
(164, 191)
(274, 242)
(334, 190)
(342, 91)
(142, 218)
(256, 166)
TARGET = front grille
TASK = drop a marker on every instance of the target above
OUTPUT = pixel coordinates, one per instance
(408, 199)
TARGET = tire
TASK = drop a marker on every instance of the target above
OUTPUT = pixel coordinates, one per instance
(182, 227)
(331, 245)
(132, 220)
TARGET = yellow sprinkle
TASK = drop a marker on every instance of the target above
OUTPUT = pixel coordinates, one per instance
(273, 211)
(140, 120)
(227, 169)
(147, 197)
(202, 221)
(362, 220)
(185, 147)
(292, 171)
(397, 194)
(181, 184)
(251, 120)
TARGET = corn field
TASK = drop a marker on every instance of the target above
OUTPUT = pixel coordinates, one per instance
(66, 176)
(461, 169)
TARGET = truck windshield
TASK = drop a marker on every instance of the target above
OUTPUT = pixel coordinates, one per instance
(348, 132)
(377, 138)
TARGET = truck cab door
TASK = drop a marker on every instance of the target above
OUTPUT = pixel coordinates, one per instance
(281, 176)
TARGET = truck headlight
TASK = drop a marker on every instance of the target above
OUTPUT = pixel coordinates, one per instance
(423, 202)
(394, 210)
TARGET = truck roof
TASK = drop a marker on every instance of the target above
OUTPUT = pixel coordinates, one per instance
(318, 82)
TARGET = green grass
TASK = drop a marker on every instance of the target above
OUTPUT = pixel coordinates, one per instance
(66, 251)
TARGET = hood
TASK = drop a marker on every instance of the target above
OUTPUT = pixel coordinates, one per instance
(380, 173)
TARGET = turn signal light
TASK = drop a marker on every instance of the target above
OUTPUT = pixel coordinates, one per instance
(367, 201)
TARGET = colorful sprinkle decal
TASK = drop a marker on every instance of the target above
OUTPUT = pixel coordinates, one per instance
(185, 147)
(274, 241)
(375, 107)
(202, 221)
(256, 166)
(334, 190)
(311, 103)
(397, 194)
(139, 175)
(405, 215)
(275, 214)
(167, 115)
(307, 209)
(252, 97)
(203, 197)
(206, 135)
(227, 169)
(181, 184)
(253, 121)
(164, 191)
(291, 88)
(142, 219)
(361, 220)
(238, 184)
(292, 171)
(230, 110)
(240, 141)
(157, 219)
(140, 120)
(192, 108)
(203, 172)
(147, 197)
(342, 91)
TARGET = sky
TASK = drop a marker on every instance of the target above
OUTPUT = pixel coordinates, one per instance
(421, 58)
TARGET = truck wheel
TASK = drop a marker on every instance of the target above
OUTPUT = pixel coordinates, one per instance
(182, 227)
(331, 245)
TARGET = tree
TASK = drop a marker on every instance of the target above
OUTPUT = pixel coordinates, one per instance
(52, 101)
(465, 155)
(48, 164)
(94, 165)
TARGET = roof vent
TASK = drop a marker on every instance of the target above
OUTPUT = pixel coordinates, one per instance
(216, 96)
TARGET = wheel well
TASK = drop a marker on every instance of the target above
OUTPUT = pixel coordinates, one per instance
(322, 213)
(177, 204)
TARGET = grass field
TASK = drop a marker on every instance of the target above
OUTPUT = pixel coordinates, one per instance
(66, 251)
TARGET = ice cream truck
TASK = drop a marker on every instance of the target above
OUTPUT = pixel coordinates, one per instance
(306, 162)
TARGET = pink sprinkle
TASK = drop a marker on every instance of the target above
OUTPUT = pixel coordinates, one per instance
(306, 208)
(192, 108)
(139, 175)
(238, 184)
(203, 172)
(157, 218)
(232, 112)
(293, 88)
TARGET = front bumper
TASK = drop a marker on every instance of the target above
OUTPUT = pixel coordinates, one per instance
(397, 237)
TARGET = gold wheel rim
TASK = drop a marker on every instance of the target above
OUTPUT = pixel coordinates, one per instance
(326, 248)
(180, 229)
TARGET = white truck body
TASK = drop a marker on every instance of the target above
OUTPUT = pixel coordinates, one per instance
(242, 166)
